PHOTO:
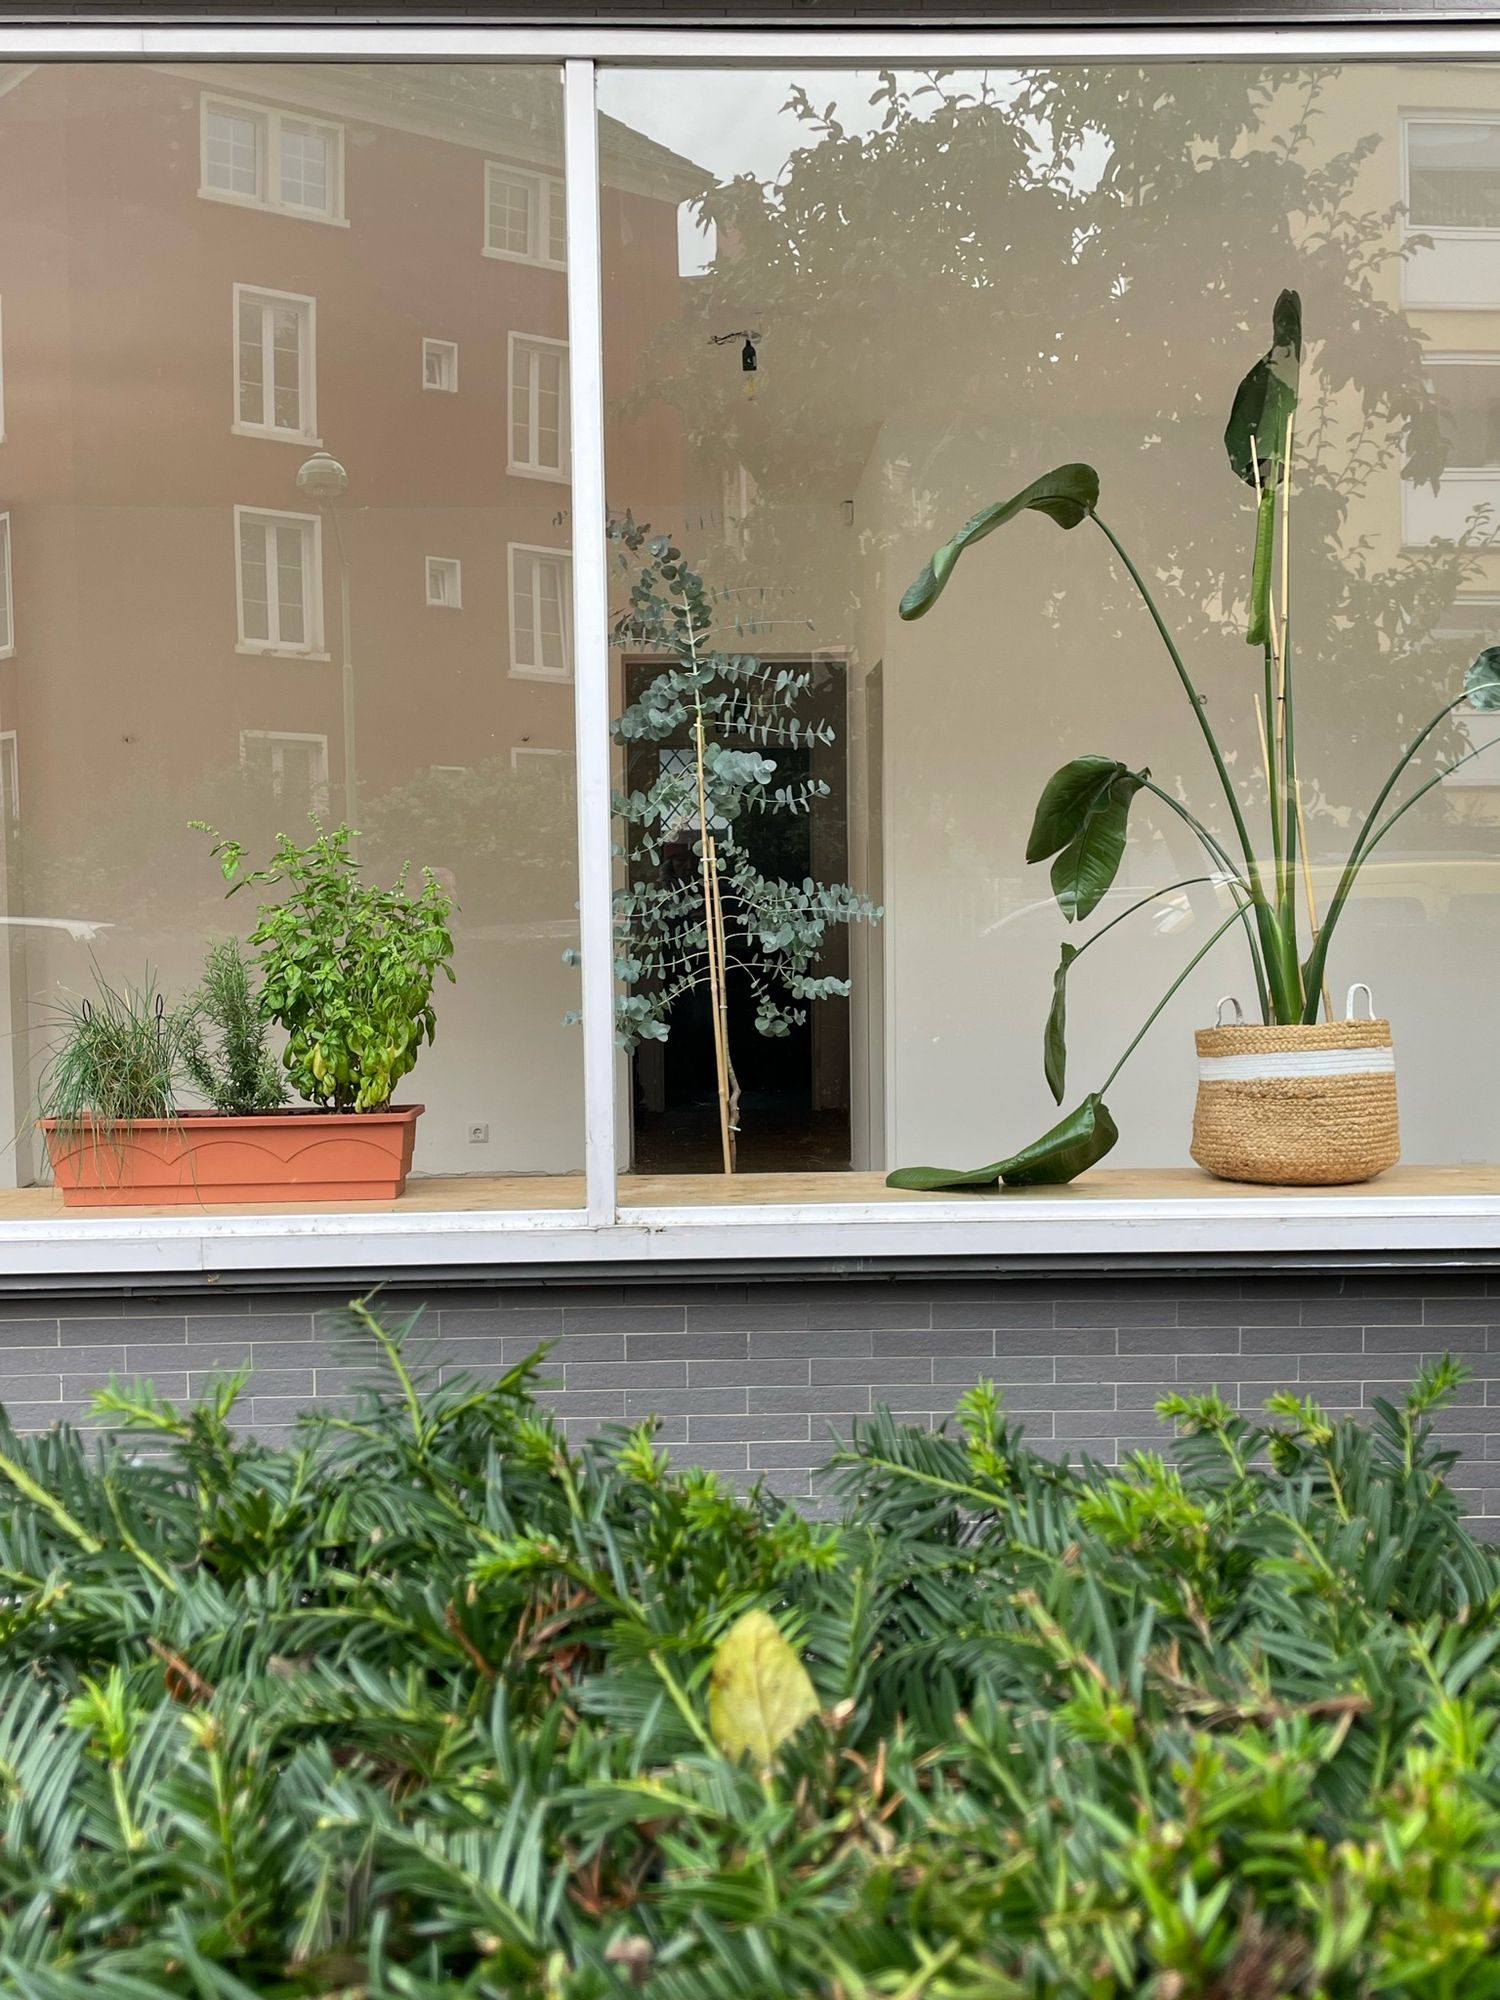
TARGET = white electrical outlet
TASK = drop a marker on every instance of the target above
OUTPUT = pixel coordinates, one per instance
(479, 1135)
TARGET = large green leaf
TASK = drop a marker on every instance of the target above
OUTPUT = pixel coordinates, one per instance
(1054, 1040)
(1073, 1145)
(1082, 817)
(1256, 431)
(1065, 495)
(1482, 681)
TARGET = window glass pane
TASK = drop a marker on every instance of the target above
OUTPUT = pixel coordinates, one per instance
(1468, 401)
(950, 285)
(557, 223)
(254, 580)
(304, 166)
(552, 658)
(523, 609)
(551, 367)
(522, 366)
(512, 201)
(1454, 174)
(250, 354)
(184, 650)
(7, 633)
(291, 619)
(232, 144)
(287, 324)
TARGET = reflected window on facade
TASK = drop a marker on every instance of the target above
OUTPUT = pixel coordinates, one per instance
(271, 575)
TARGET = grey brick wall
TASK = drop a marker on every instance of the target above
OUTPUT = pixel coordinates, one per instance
(752, 1377)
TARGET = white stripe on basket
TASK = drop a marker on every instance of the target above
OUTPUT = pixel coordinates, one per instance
(1291, 1063)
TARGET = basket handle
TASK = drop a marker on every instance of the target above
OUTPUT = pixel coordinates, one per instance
(1359, 986)
(1239, 1012)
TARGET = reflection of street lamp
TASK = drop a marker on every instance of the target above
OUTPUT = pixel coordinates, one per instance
(323, 480)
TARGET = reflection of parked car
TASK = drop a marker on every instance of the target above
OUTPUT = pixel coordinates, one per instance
(1401, 891)
(82, 930)
(1161, 915)
(1407, 890)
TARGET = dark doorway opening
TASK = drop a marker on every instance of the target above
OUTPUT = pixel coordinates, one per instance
(794, 1106)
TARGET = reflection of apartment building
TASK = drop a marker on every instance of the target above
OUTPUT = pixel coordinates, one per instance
(1450, 285)
(208, 278)
(203, 286)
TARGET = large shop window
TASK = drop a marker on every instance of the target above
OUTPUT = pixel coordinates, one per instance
(901, 297)
(203, 632)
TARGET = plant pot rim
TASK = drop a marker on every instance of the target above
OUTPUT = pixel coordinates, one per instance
(238, 1120)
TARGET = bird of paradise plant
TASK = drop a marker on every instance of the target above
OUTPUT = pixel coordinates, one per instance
(1082, 817)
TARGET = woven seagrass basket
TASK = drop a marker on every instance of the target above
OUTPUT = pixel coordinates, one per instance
(1301, 1106)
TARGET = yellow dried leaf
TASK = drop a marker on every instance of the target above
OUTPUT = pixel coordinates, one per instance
(759, 1693)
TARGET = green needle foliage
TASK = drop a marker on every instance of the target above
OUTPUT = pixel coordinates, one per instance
(115, 1056)
(426, 1703)
(225, 1052)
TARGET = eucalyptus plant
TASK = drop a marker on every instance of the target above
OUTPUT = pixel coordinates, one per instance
(681, 928)
(1082, 817)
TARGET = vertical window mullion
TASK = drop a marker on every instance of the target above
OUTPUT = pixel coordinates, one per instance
(591, 638)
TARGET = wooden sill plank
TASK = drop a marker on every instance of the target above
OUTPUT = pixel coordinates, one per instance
(477, 1194)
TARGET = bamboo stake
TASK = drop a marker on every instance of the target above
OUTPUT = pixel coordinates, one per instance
(1260, 724)
(713, 926)
(712, 939)
(1286, 508)
(730, 1108)
(1312, 901)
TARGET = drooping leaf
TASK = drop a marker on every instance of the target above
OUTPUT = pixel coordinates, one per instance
(1482, 681)
(1256, 432)
(1054, 1040)
(1070, 1148)
(1065, 803)
(1082, 818)
(1065, 495)
(759, 1693)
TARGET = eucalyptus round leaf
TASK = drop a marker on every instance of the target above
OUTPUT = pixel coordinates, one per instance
(1482, 681)
(1066, 495)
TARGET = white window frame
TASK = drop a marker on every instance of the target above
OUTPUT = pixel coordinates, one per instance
(312, 570)
(532, 467)
(272, 118)
(1371, 1224)
(542, 191)
(440, 565)
(529, 670)
(277, 738)
(530, 753)
(307, 366)
(7, 578)
(447, 350)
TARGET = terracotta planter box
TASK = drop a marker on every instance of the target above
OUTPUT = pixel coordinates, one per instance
(200, 1158)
